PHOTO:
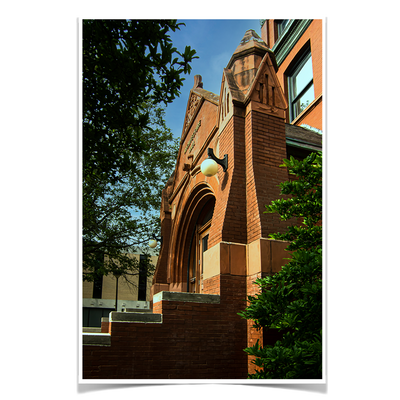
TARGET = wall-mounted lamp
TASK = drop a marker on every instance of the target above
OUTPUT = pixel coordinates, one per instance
(154, 242)
(209, 167)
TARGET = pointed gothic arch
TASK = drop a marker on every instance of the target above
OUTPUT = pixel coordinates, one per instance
(196, 212)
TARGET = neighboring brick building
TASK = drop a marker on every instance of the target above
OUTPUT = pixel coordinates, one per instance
(215, 231)
(297, 45)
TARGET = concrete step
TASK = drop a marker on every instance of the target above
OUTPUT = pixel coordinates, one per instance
(96, 339)
(145, 317)
(92, 337)
(90, 329)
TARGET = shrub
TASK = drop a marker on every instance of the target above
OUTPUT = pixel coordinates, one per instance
(291, 300)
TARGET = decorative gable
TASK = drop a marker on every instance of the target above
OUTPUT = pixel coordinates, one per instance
(266, 89)
(193, 104)
(230, 96)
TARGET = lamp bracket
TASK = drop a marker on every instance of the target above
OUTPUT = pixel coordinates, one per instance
(222, 162)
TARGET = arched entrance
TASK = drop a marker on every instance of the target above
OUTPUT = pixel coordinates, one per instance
(198, 245)
(191, 240)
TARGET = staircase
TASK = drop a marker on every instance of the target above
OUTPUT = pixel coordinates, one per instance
(94, 336)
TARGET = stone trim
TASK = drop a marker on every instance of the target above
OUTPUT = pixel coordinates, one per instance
(135, 317)
(96, 339)
(187, 297)
(290, 37)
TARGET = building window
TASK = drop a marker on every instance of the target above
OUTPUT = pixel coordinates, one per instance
(98, 287)
(98, 277)
(300, 86)
(204, 247)
(280, 26)
(142, 278)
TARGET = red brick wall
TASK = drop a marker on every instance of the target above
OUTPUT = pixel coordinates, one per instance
(212, 285)
(194, 341)
(265, 151)
(229, 220)
(160, 275)
(105, 327)
(313, 34)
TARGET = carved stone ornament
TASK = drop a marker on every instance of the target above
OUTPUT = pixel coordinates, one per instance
(194, 101)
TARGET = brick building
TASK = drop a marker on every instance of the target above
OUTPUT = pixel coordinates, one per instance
(215, 234)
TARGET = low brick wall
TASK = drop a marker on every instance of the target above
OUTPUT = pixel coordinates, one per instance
(196, 336)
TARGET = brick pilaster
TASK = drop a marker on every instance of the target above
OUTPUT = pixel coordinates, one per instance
(265, 151)
(229, 220)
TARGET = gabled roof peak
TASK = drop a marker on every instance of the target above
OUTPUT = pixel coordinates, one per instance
(251, 35)
(250, 41)
(251, 46)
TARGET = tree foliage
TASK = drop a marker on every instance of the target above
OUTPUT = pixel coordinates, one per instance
(305, 203)
(291, 300)
(126, 65)
(130, 70)
(120, 216)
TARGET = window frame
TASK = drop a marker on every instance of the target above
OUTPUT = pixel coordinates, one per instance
(98, 278)
(294, 71)
(280, 26)
(142, 279)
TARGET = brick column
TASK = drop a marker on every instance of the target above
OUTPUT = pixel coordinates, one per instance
(265, 150)
(229, 220)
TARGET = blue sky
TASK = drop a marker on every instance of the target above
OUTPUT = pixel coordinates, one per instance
(214, 41)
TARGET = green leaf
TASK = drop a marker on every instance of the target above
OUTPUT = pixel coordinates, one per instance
(291, 300)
